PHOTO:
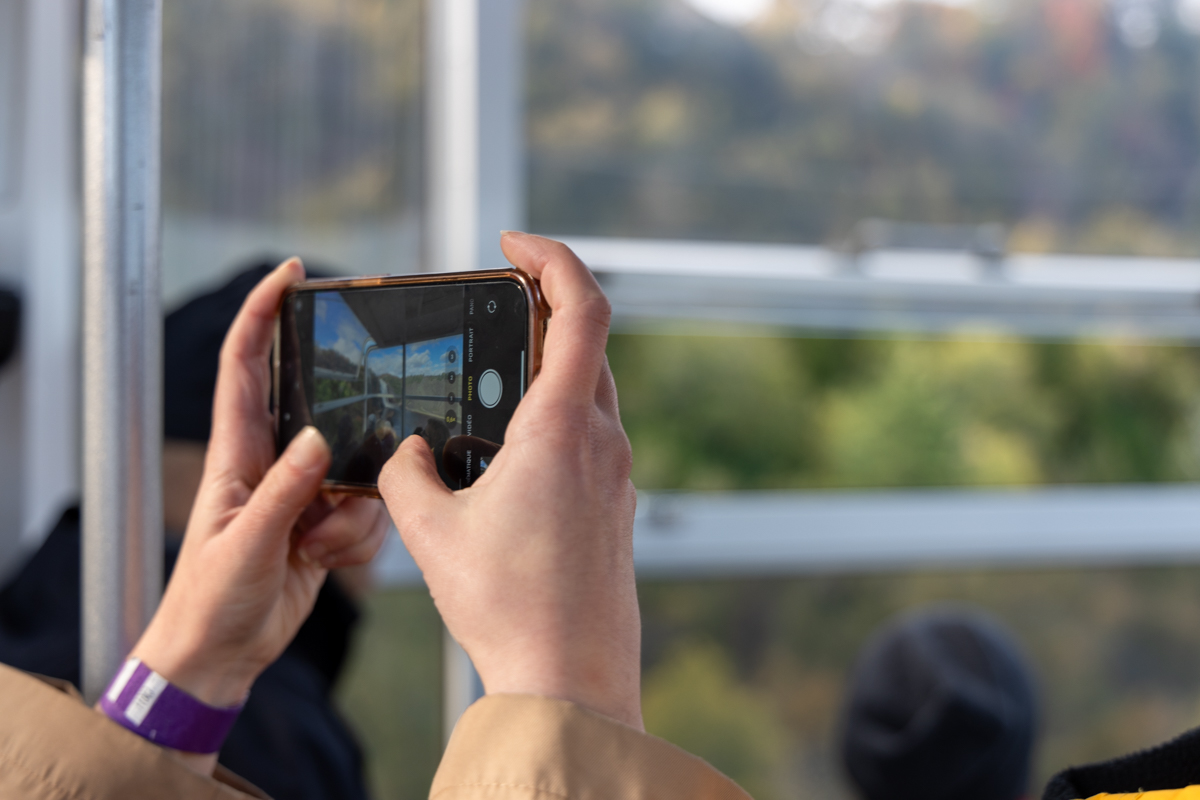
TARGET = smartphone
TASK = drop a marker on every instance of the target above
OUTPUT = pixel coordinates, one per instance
(371, 361)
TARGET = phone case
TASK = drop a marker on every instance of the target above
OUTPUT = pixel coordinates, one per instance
(539, 315)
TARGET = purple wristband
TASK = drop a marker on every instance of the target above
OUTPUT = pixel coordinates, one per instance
(144, 702)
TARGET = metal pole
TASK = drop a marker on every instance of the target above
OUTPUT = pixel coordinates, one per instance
(460, 683)
(452, 135)
(122, 332)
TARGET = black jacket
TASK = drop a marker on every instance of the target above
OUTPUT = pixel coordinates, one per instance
(1173, 765)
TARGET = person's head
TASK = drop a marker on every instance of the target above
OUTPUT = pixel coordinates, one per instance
(192, 338)
(941, 706)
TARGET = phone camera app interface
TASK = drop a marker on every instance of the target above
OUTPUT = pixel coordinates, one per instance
(376, 365)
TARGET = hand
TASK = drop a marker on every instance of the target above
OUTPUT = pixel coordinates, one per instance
(261, 535)
(532, 566)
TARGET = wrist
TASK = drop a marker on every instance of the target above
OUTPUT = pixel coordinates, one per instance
(197, 670)
(144, 702)
(618, 697)
(624, 708)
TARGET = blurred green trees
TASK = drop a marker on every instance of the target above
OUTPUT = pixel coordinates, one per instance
(761, 412)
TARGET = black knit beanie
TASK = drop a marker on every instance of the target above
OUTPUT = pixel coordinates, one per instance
(192, 339)
(941, 706)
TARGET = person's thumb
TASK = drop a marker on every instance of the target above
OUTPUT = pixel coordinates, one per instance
(287, 489)
(413, 491)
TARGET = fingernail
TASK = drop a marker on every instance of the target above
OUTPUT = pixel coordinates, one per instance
(313, 552)
(308, 449)
(290, 263)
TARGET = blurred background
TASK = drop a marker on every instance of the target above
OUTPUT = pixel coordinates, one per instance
(840, 127)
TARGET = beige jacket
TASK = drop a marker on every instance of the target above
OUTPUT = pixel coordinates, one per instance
(506, 747)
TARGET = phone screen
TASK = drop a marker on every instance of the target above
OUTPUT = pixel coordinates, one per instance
(370, 366)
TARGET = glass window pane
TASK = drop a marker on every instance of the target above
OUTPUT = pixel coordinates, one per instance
(751, 674)
(390, 692)
(1074, 124)
(290, 127)
(12, 62)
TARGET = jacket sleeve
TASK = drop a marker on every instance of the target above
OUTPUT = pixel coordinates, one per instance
(54, 747)
(522, 747)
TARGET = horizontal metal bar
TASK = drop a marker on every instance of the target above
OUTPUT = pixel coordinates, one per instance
(331, 405)
(785, 533)
(756, 534)
(333, 374)
(814, 288)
